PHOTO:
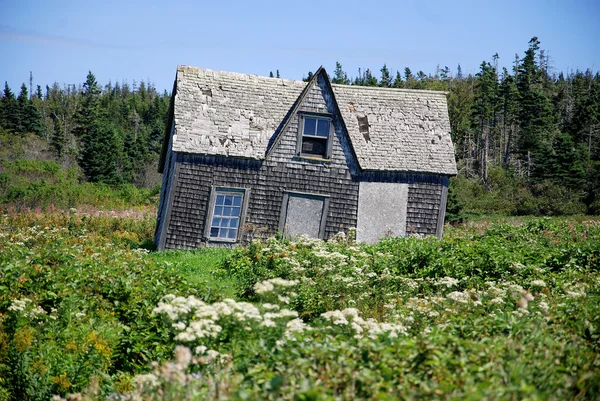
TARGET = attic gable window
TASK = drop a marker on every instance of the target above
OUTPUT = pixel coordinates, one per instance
(314, 138)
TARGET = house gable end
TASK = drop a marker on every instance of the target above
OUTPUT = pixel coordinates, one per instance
(316, 102)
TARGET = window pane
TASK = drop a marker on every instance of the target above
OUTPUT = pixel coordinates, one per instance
(227, 211)
(314, 146)
(309, 126)
(323, 128)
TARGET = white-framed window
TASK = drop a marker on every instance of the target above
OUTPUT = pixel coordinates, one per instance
(314, 136)
(227, 209)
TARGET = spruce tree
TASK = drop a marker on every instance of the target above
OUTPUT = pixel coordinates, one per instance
(386, 79)
(340, 77)
(10, 118)
(398, 83)
(369, 79)
(30, 117)
(535, 112)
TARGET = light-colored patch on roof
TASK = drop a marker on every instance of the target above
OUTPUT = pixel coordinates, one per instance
(409, 130)
(230, 114)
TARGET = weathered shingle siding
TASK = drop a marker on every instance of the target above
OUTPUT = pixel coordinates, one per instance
(424, 201)
(196, 177)
(165, 194)
(240, 131)
(425, 193)
(284, 171)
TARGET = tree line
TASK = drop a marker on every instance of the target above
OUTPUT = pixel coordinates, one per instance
(528, 125)
(113, 133)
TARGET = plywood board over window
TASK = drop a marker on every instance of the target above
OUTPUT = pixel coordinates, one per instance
(303, 214)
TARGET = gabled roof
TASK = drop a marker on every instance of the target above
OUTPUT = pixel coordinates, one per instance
(235, 115)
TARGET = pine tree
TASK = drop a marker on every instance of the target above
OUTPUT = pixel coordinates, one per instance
(459, 74)
(90, 107)
(340, 77)
(10, 118)
(30, 118)
(386, 79)
(308, 77)
(369, 79)
(535, 112)
(398, 83)
(486, 90)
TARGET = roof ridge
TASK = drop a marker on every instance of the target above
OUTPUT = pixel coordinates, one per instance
(184, 68)
(379, 88)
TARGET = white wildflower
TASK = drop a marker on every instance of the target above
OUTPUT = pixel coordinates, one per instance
(268, 306)
(178, 326)
(447, 282)
(458, 296)
(263, 287)
(19, 305)
(538, 283)
(296, 326)
(147, 380)
(268, 323)
(183, 357)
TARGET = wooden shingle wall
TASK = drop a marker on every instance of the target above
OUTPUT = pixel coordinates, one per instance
(424, 201)
(284, 171)
(195, 178)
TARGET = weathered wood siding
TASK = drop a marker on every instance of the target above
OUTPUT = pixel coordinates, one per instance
(165, 195)
(195, 179)
(425, 209)
(284, 171)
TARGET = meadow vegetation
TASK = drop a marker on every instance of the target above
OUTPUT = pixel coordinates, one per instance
(492, 311)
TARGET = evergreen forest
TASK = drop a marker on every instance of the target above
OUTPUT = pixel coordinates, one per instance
(527, 139)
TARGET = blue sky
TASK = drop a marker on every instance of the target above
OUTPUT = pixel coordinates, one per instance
(127, 40)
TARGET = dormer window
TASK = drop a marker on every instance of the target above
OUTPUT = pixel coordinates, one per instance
(314, 139)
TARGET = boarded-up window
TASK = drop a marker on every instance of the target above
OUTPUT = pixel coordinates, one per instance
(303, 214)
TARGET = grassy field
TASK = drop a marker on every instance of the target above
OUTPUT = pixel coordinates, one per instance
(499, 309)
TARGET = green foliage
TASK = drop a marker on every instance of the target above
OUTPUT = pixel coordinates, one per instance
(71, 303)
(500, 312)
(507, 313)
(45, 184)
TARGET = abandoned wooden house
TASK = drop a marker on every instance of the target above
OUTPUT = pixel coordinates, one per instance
(247, 156)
